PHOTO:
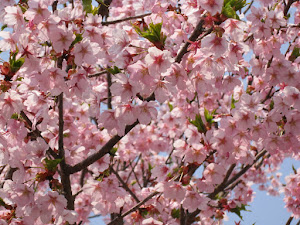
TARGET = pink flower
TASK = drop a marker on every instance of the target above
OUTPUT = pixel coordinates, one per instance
(158, 61)
(10, 103)
(174, 190)
(212, 6)
(291, 97)
(14, 16)
(194, 200)
(212, 44)
(126, 114)
(84, 52)
(147, 112)
(37, 11)
(176, 75)
(213, 173)
(122, 87)
(121, 40)
(151, 221)
(61, 38)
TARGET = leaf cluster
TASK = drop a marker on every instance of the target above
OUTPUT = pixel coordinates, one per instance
(230, 8)
(153, 34)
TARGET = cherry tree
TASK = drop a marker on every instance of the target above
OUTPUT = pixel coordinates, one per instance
(146, 112)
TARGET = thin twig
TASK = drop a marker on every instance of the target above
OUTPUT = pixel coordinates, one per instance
(97, 74)
(115, 221)
(37, 133)
(109, 96)
(132, 169)
(248, 7)
(224, 186)
(221, 186)
(246, 168)
(124, 185)
(126, 19)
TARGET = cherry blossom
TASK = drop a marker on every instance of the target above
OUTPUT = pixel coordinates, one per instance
(146, 112)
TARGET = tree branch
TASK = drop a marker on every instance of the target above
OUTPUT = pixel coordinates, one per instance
(289, 220)
(288, 6)
(103, 151)
(97, 74)
(115, 221)
(109, 96)
(223, 185)
(196, 33)
(125, 186)
(37, 133)
(65, 176)
(125, 19)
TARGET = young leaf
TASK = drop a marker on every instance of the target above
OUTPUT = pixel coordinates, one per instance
(238, 210)
(51, 165)
(199, 123)
(114, 70)
(175, 213)
(16, 65)
(209, 116)
(87, 6)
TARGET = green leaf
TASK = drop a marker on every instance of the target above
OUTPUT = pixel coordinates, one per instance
(199, 124)
(209, 116)
(95, 10)
(2, 203)
(77, 39)
(153, 34)
(16, 65)
(114, 70)
(233, 102)
(3, 26)
(271, 104)
(238, 210)
(229, 12)
(171, 107)
(51, 165)
(294, 169)
(295, 54)
(15, 116)
(230, 8)
(175, 213)
(150, 167)
(87, 6)
(113, 151)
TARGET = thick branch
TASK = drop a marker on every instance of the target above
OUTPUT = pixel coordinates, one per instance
(103, 151)
(196, 33)
(289, 220)
(65, 176)
(288, 6)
